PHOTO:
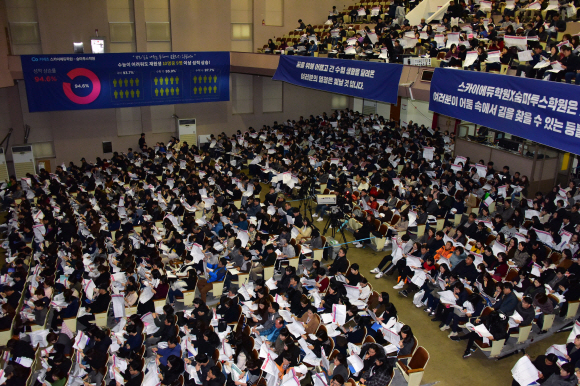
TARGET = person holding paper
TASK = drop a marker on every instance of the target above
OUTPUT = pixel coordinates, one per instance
(528, 69)
(378, 375)
(214, 273)
(385, 310)
(251, 375)
(546, 365)
(466, 269)
(332, 297)
(310, 321)
(267, 261)
(495, 322)
(369, 352)
(133, 375)
(189, 283)
(173, 348)
(175, 368)
(443, 310)
(526, 311)
(290, 350)
(507, 301)
(268, 318)
(94, 360)
(133, 342)
(58, 362)
(100, 304)
(272, 333)
(322, 281)
(202, 364)
(58, 378)
(284, 364)
(322, 341)
(165, 332)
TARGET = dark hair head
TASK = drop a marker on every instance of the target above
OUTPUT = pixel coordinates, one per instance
(168, 309)
(568, 367)
(552, 358)
(201, 358)
(339, 378)
(406, 329)
(176, 363)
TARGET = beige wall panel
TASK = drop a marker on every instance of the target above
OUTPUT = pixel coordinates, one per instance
(193, 28)
(62, 22)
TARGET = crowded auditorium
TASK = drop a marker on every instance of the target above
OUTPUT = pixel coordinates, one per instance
(289, 193)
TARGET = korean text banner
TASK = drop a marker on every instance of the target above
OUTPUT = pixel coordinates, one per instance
(101, 81)
(544, 112)
(369, 80)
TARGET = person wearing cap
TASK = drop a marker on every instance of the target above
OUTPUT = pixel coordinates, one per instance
(303, 375)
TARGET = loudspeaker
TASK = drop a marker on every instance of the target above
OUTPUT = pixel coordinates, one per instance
(107, 147)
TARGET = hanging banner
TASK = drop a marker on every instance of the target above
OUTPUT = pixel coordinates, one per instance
(102, 81)
(369, 80)
(541, 111)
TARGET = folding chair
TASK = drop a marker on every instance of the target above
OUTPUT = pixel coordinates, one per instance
(414, 370)
(523, 333)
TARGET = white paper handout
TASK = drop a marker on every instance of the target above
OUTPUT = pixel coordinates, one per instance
(524, 371)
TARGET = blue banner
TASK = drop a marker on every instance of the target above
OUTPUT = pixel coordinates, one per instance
(369, 80)
(102, 81)
(538, 110)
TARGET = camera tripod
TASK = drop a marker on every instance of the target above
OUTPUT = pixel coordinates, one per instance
(307, 199)
(336, 224)
(306, 207)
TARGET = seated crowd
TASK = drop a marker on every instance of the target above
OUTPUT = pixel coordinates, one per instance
(135, 237)
(554, 53)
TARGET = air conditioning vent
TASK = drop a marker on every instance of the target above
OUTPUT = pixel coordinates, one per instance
(23, 159)
(20, 149)
(187, 129)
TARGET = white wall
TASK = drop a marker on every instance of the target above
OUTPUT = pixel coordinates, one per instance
(416, 111)
(357, 105)
(384, 109)
(425, 9)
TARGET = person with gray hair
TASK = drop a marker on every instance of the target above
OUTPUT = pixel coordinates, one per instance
(287, 252)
